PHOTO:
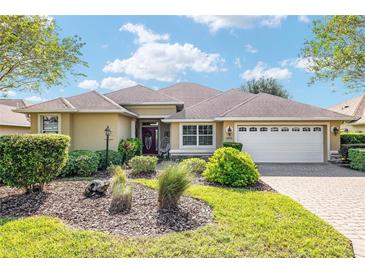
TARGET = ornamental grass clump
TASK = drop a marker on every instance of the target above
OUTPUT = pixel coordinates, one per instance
(195, 165)
(173, 181)
(121, 193)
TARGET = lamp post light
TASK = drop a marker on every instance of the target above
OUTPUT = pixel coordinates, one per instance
(108, 132)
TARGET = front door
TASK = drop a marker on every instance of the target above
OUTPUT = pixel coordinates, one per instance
(150, 140)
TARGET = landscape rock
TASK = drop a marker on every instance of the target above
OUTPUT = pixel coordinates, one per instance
(96, 188)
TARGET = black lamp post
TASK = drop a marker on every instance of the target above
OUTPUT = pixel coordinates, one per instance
(108, 132)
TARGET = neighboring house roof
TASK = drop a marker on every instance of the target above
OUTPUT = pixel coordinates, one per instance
(140, 95)
(354, 107)
(189, 93)
(91, 101)
(238, 105)
(14, 102)
(9, 118)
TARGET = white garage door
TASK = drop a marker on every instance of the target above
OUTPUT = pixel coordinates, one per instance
(282, 144)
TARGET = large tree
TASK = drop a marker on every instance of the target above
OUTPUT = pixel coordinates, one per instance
(265, 85)
(33, 56)
(337, 50)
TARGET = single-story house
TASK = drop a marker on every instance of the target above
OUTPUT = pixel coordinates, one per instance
(355, 107)
(196, 120)
(10, 121)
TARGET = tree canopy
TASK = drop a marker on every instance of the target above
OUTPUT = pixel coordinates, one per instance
(265, 85)
(337, 50)
(33, 56)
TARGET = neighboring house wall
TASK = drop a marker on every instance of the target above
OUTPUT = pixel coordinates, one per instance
(4, 130)
(353, 128)
(157, 111)
(87, 129)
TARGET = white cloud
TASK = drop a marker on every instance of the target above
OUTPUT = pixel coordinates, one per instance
(217, 22)
(88, 84)
(261, 70)
(165, 61)
(304, 19)
(251, 49)
(34, 99)
(115, 83)
(300, 63)
(144, 35)
(237, 62)
(8, 93)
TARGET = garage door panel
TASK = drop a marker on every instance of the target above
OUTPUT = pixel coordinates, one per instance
(283, 146)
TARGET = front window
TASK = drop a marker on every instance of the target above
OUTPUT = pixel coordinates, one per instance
(49, 124)
(197, 135)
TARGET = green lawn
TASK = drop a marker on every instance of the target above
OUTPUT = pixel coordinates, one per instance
(248, 224)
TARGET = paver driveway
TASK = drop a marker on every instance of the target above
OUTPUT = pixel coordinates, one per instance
(334, 193)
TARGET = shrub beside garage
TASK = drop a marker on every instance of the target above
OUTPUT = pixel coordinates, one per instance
(29, 161)
(352, 138)
(357, 159)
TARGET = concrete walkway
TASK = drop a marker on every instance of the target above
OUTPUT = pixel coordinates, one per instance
(335, 194)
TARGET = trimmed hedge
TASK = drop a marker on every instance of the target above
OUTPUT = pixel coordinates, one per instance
(129, 148)
(235, 145)
(81, 163)
(230, 167)
(352, 138)
(195, 165)
(114, 158)
(143, 164)
(357, 158)
(29, 161)
(344, 149)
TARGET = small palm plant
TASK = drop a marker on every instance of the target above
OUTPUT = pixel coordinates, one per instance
(172, 184)
(121, 193)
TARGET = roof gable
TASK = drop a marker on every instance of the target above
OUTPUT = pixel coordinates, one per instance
(354, 107)
(10, 118)
(139, 94)
(269, 106)
(189, 93)
(13, 102)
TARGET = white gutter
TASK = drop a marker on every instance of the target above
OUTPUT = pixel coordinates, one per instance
(281, 119)
(186, 120)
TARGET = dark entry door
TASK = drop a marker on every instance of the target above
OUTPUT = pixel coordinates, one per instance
(150, 140)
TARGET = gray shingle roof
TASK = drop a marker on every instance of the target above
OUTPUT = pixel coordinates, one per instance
(354, 107)
(13, 102)
(189, 93)
(91, 101)
(140, 95)
(236, 104)
(10, 118)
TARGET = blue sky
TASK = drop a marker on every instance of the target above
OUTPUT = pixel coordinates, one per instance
(218, 51)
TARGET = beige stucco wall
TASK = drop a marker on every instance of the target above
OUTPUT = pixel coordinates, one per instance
(153, 111)
(353, 128)
(174, 135)
(4, 130)
(87, 129)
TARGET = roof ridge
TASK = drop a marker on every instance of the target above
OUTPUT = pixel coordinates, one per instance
(25, 107)
(205, 100)
(122, 89)
(67, 103)
(189, 83)
(240, 104)
(359, 111)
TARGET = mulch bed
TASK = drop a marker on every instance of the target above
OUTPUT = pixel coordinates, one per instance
(65, 200)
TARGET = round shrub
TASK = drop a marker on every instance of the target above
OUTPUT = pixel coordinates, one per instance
(29, 161)
(143, 164)
(235, 145)
(230, 167)
(81, 163)
(195, 165)
(114, 158)
(129, 148)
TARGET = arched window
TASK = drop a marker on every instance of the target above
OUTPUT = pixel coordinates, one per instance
(284, 129)
(262, 129)
(317, 129)
(274, 129)
(242, 129)
(253, 129)
(295, 129)
(306, 129)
